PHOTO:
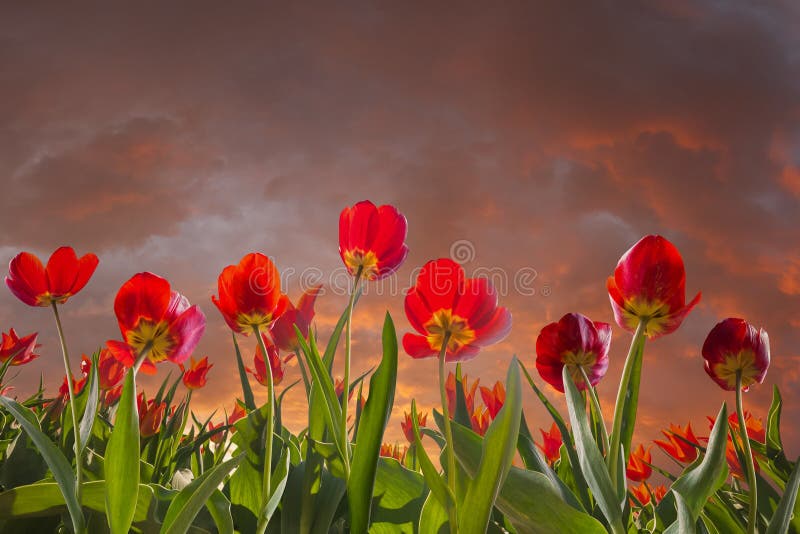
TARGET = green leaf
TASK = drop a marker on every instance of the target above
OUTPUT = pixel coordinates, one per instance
(439, 488)
(788, 504)
(774, 444)
(246, 482)
(121, 463)
(247, 391)
(58, 464)
(277, 485)
(590, 460)
(191, 499)
(685, 523)
(376, 414)
(220, 509)
(398, 497)
(499, 447)
(90, 412)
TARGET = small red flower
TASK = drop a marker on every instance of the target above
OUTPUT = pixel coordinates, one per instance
(642, 493)
(282, 330)
(37, 285)
(734, 346)
(110, 370)
(112, 395)
(372, 239)
(445, 304)
(469, 393)
(480, 420)
(259, 370)
(649, 284)
(494, 398)
(677, 446)
(195, 376)
(578, 343)
(637, 469)
(150, 415)
(217, 437)
(551, 444)
(155, 320)
(77, 387)
(237, 413)
(250, 294)
(408, 426)
(338, 385)
(393, 451)
(19, 348)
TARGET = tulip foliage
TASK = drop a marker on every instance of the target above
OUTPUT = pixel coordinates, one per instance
(103, 455)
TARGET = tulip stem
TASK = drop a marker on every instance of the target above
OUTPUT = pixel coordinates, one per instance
(346, 395)
(452, 511)
(596, 406)
(751, 469)
(71, 394)
(266, 480)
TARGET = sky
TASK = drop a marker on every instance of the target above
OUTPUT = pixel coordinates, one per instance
(535, 142)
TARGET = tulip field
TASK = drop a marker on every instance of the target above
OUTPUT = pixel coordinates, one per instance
(101, 455)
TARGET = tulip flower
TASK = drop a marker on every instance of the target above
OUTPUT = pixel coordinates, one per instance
(110, 371)
(679, 443)
(753, 425)
(372, 240)
(250, 294)
(111, 396)
(282, 329)
(638, 468)
(217, 437)
(649, 284)
(642, 493)
(494, 398)
(551, 444)
(469, 393)
(77, 387)
(195, 376)
(479, 419)
(735, 348)
(259, 371)
(37, 285)
(150, 416)
(18, 349)
(393, 451)
(237, 413)
(733, 460)
(577, 342)
(408, 426)
(156, 322)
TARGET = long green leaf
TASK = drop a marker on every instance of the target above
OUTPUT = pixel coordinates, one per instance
(783, 513)
(220, 509)
(499, 447)
(591, 461)
(376, 414)
(58, 464)
(121, 463)
(90, 412)
(398, 497)
(247, 391)
(439, 489)
(277, 485)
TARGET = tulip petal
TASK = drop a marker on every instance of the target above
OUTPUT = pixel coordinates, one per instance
(417, 346)
(26, 278)
(62, 271)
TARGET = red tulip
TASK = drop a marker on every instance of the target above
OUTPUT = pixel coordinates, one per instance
(282, 330)
(77, 387)
(237, 413)
(733, 459)
(372, 239)
(469, 393)
(110, 370)
(150, 415)
(156, 321)
(408, 426)
(37, 285)
(734, 346)
(753, 425)
(578, 343)
(20, 349)
(338, 385)
(112, 395)
(195, 376)
(551, 444)
(677, 446)
(217, 437)
(250, 294)
(260, 366)
(642, 493)
(638, 468)
(393, 451)
(445, 305)
(480, 420)
(649, 284)
(494, 398)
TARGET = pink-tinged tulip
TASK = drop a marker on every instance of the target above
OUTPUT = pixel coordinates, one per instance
(733, 346)
(372, 239)
(250, 294)
(277, 364)
(37, 285)
(195, 376)
(638, 469)
(480, 420)
(19, 348)
(494, 398)
(677, 445)
(649, 284)
(408, 426)
(157, 321)
(282, 330)
(551, 444)
(578, 343)
(444, 304)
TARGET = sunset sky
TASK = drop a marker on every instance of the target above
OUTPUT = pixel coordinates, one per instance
(540, 140)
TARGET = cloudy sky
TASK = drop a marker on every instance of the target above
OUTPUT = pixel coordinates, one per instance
(537, 141)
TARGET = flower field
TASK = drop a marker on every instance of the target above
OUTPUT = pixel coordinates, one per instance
(100, 455)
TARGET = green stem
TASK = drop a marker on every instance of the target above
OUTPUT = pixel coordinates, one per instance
(751, 468)
(71, 394)
(266, 480)
(346, 394)
(596, 406)
(625, 407)
(452, 511)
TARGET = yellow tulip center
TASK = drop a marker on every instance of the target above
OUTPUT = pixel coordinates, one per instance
(152, 337)
(577, 360)
(744, 360)
(655, 312)
(366, 260)
(444, 322)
